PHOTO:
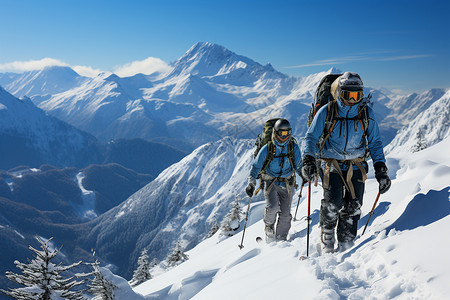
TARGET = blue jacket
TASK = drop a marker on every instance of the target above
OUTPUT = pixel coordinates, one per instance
(280, 166)
(347, 140)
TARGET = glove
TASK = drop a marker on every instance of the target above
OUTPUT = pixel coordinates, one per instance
(309, 169)
(382, 177)
(250, 189)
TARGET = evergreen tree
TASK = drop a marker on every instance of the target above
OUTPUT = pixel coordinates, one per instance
(177, 256)
(214, 228)
(42, 278)
(421, 142)
(142, 273)
(232, 219)
(154, 263)
(99, 286)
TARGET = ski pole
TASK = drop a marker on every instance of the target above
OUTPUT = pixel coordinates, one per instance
(298, 202)
(245, 225)
(308, 219)
(371, 212)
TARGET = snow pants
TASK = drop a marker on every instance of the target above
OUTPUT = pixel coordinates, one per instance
(338, 210)
(278, 203)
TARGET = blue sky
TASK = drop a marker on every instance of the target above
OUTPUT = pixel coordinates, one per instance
(400, 45)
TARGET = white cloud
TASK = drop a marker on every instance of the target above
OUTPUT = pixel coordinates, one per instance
(31, 65)
(146, 66)
(86, 71)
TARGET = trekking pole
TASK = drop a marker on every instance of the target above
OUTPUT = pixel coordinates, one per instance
(308, 218)
(245, 225)
(298, 202)
(371, 212)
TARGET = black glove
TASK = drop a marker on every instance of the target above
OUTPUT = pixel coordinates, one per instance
(309, 169)
(250, 189)
(382, 177)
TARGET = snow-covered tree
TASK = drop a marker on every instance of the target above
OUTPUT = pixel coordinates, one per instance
(421, 142)
(154, 263)
(99, 286)
(42, 278)
(177, 256)
(142, 273)
(214, 228)
(231, 220)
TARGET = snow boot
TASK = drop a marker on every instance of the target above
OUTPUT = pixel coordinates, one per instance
(327, 240)
(342, 246)
(270, 233)
(281, 238)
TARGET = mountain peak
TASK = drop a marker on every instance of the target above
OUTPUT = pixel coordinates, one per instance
(206, 47)
(334, 70)
(59, 69)
(206, 59)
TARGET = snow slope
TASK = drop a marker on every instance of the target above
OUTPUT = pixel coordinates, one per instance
(433, 122)
(402, 255)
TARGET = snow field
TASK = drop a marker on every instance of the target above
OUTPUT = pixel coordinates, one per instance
(402, 255)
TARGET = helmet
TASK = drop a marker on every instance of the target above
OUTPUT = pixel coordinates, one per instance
(348, 88)
(282, 130)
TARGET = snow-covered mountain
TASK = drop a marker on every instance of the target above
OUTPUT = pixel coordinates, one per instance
(430, 125)
(181, 203)
(29, 135)
(48, 81)
(210, 93)
(402, 255)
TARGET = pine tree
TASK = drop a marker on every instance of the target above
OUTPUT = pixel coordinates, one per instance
(421, 142)
(232, 219)
(142, 273)
(214, 228)
(177, 256)
(154, 263)
(99, 286)
(42, 278)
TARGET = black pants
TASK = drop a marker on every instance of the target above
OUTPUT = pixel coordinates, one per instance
(338, 209)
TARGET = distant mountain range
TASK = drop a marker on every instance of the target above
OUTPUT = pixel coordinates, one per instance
(30, 137)
(210, 93)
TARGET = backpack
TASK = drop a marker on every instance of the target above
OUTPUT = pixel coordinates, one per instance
(322, 97)
(266, 138)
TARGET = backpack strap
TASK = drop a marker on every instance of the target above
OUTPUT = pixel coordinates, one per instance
(269, 157)
(291, 153)
(330, 121)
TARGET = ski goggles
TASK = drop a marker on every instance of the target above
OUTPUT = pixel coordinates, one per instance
(352, 96)
(283, 134)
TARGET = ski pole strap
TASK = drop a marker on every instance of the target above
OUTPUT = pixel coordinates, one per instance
(348, 180)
